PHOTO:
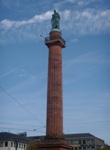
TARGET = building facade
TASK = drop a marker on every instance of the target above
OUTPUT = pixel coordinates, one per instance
(84, 141)
(10, 141)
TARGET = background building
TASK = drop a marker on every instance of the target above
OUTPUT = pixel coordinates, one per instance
(84, 141)
(10, 141)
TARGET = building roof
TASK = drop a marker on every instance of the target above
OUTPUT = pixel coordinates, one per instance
(37, 137)
(6, 136)
(79, 135)
(69, 136)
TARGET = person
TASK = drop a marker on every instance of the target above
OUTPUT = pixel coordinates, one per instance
(55, 20)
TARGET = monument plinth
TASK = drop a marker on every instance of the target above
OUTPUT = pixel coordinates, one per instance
(54, 124)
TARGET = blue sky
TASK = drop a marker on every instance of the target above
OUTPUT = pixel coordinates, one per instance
(85, 25)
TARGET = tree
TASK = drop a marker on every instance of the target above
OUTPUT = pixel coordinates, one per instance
(104, 148)
(32, 145)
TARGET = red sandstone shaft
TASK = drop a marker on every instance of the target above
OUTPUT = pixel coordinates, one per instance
(54, 127)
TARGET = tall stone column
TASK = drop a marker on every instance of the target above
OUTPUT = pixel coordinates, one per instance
(54, 127)
(54, 124)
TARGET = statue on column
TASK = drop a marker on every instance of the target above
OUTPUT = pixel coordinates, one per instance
(55, 20)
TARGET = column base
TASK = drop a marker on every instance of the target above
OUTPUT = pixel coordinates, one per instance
(53, 144)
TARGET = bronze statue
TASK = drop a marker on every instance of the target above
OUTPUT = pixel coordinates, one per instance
(55, 20)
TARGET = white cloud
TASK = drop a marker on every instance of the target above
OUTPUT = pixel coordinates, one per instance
(31, 29)
(66, 14)
(7, 24)
(77, 3)
(88, 21)
(73, 40)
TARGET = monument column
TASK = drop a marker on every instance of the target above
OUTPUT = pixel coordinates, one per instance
(54, 127)
(54, 124)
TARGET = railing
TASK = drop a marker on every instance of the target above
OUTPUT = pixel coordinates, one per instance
(47, 39)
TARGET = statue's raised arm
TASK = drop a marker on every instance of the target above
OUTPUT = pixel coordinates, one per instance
(55, 20)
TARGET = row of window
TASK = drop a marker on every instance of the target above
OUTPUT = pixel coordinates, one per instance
(19, 145)
(88, 142)
(3, 144)
(13, 144)
(83, 148)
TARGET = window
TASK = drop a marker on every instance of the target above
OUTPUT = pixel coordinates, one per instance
(71, 142)
(79, 141)
(1, 144)
(76, 148)
(19, 145)
(93, 148)
(89, 148)
(92, 142)
(6, 144)
(88, 142)
(84, 141)
(75, 141)
(11, 144)
(24, 146)
(84, 148)
(80, 148)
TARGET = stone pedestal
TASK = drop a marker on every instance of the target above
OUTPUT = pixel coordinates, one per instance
(54, 144)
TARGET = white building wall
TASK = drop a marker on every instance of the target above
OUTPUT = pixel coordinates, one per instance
(11, 146)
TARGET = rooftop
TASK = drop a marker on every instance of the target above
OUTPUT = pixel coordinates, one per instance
(6, 136)
(78, 135)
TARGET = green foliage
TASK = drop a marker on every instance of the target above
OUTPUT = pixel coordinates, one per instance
(104, 148)
(32, 145)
